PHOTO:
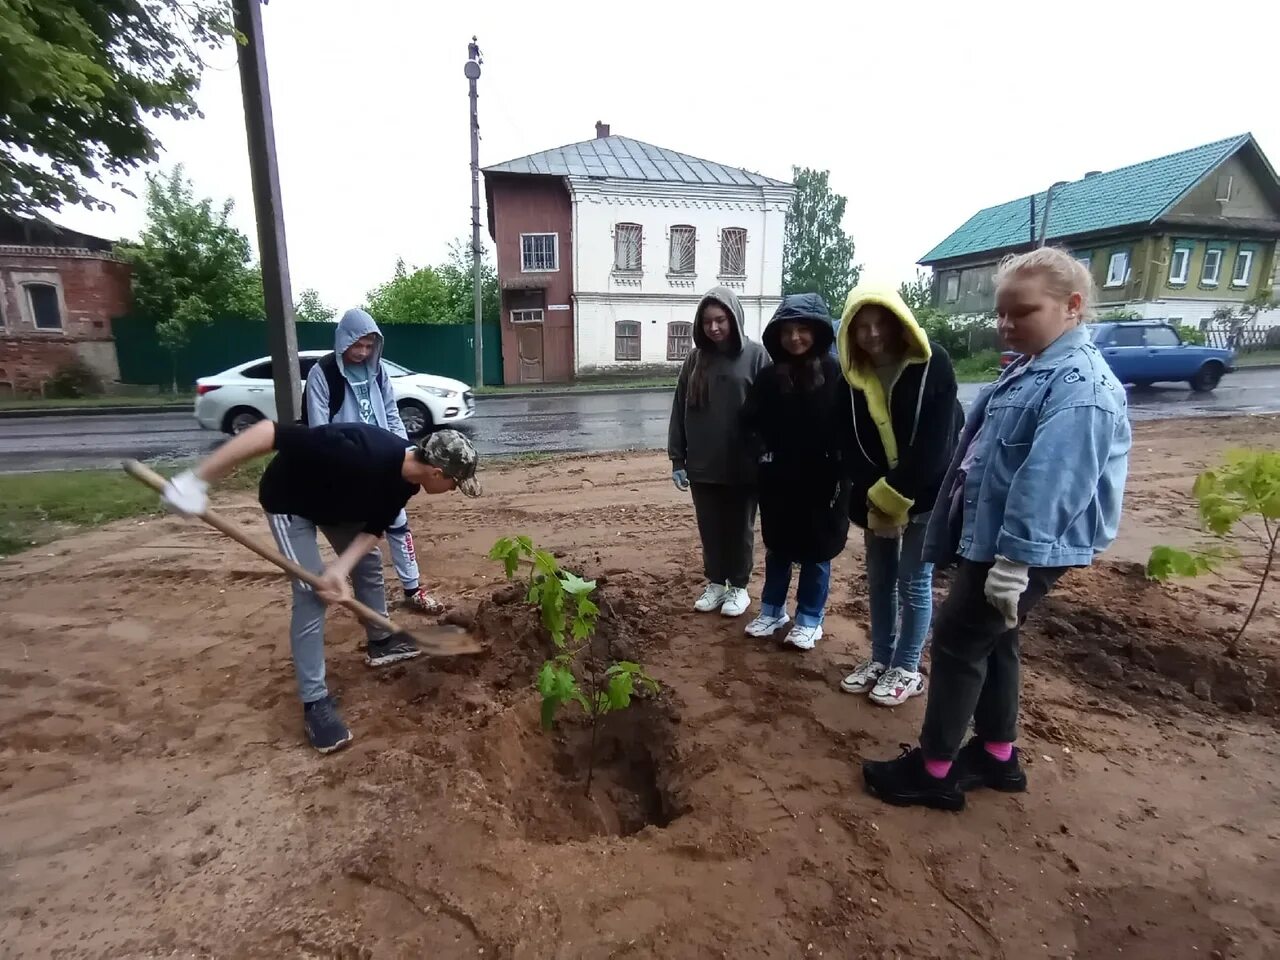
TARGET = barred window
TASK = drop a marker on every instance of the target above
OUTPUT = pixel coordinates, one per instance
(679, 339)
(539, 253)
(627, 238)
(683, 243)
(733, 252)
(626, 340)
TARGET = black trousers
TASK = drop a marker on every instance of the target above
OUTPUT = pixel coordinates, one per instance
(975, 663)
(726, 525)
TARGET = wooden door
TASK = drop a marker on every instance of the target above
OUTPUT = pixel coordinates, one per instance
(529, 349)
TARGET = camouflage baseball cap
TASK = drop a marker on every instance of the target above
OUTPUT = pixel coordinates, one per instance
(456, 456)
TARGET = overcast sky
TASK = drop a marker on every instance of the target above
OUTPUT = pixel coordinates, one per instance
(923, 111)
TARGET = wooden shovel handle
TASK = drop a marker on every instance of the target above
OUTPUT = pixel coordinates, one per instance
(144, 474)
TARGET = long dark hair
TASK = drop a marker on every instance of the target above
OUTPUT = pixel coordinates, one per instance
(801, 374)
(699, 381)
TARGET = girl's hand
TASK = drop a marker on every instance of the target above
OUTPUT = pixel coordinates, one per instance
(681, 480)
(882, 525)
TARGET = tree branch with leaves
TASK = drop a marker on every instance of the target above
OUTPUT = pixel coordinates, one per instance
(817, 254)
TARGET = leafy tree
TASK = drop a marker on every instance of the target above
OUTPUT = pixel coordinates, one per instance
(917, 293)
(441, 294)
(77, 77)
(190, 264)
(1237, 503)
(311, 309)
(817, 255)
(952, 332)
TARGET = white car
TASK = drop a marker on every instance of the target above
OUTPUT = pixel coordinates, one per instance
(238, 398)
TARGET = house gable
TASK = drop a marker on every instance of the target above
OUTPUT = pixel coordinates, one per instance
(1241, 189)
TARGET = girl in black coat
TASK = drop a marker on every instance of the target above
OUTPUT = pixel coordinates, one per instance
(798, 410)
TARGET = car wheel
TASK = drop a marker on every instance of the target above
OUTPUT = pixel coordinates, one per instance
(1208, 377)
(240, 419)
(417, 418)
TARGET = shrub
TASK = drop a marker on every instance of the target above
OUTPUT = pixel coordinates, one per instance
(73, 379)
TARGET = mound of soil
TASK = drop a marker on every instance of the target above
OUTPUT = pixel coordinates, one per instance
(1120, 632)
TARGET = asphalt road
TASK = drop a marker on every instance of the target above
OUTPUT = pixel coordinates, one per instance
(511, 425)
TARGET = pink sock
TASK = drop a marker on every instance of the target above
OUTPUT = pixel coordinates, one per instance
(937, 768)
(1001, 751)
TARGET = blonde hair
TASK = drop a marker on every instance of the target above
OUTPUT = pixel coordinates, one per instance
(1063, 275)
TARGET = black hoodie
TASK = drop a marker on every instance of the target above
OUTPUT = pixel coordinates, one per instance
(804, 491)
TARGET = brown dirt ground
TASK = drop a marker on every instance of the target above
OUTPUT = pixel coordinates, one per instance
(157, 798)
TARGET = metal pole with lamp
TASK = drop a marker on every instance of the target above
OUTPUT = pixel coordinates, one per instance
(471, 69)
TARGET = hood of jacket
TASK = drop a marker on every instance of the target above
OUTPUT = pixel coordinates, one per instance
(729, 300)
(807, 308)
(357, 323)
(857, 366)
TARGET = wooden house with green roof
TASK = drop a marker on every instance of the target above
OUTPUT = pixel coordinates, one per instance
(1176, 238)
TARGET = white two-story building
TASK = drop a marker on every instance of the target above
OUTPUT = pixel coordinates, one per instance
(605, 248)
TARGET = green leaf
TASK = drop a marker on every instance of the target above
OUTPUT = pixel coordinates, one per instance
(1166, 563)
(547, 679)
(618, 690)
(574, 585)
(549, 707)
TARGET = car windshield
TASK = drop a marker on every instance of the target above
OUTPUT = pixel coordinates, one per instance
(396, 370)
(1095, 331)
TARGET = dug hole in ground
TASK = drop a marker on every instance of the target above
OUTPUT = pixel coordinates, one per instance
(157, 797)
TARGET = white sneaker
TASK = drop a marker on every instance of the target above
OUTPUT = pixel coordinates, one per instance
(896, 686)
(766, 626)
(803, 638)
(864, 677)
(736, 602)
(712, 598)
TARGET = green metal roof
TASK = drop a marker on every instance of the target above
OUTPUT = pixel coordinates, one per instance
(1136, 194)
(622, 158)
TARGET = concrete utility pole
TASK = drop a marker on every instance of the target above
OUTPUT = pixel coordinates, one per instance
(282, 338)
(1048, 203)
(471, 69)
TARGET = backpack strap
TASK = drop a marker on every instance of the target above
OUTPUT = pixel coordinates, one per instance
(337, 385)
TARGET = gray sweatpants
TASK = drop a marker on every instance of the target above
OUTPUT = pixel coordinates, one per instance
(296, 538)
(403, 555)
(726, 525)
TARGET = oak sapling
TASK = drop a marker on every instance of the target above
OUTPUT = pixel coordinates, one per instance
(570, 615)
(1239, 504)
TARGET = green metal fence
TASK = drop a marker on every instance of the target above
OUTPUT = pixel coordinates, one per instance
(443, 349)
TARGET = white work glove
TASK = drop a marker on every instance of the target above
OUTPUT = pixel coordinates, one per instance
(186, 494)
(1006, 583)
(681, 479)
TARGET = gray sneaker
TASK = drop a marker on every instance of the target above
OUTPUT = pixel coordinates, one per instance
(392, 649)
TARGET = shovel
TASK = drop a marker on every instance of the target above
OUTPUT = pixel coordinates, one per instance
(440, 640)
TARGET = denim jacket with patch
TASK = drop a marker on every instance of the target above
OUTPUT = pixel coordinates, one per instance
(1047, 476)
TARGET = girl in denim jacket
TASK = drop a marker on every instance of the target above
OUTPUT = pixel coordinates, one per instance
(1034, 489)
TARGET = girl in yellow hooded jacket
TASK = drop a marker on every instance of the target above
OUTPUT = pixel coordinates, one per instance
(906, 418)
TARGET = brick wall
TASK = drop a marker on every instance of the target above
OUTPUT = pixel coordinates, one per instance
(92, 289)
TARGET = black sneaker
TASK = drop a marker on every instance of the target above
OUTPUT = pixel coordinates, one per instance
(975, 768)
(324, 727)
(392, 649)
(905, 782)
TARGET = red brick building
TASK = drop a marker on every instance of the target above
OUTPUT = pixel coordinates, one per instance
(59, 291)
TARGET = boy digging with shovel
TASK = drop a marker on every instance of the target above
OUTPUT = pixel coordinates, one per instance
(350, 481)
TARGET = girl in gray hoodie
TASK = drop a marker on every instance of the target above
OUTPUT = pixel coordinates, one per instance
(711, 454)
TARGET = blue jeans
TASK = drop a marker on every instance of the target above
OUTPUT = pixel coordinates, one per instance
(811, 594)
(900, 585)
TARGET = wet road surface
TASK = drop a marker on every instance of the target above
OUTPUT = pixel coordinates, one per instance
(504, 426)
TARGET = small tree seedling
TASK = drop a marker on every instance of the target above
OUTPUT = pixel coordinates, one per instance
(569, 615)
(1238, 504)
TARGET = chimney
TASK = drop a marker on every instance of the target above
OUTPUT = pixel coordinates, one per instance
(602, 130)
(1092, 173)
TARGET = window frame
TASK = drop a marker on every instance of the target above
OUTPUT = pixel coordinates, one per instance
(22, 283)
(1111, 284)
(727, 274)
(692, 269)
(1162, 329)
(1186, 250)
(948, 294)
(618, 229)
(526, 320)
(555, 253)
(673, 349)
(1244, 254)
(1221, 253)
(619, 338)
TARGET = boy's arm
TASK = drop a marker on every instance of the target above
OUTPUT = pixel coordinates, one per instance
(188, 492)
(334, 586)
(316, 396)
(394, 423)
